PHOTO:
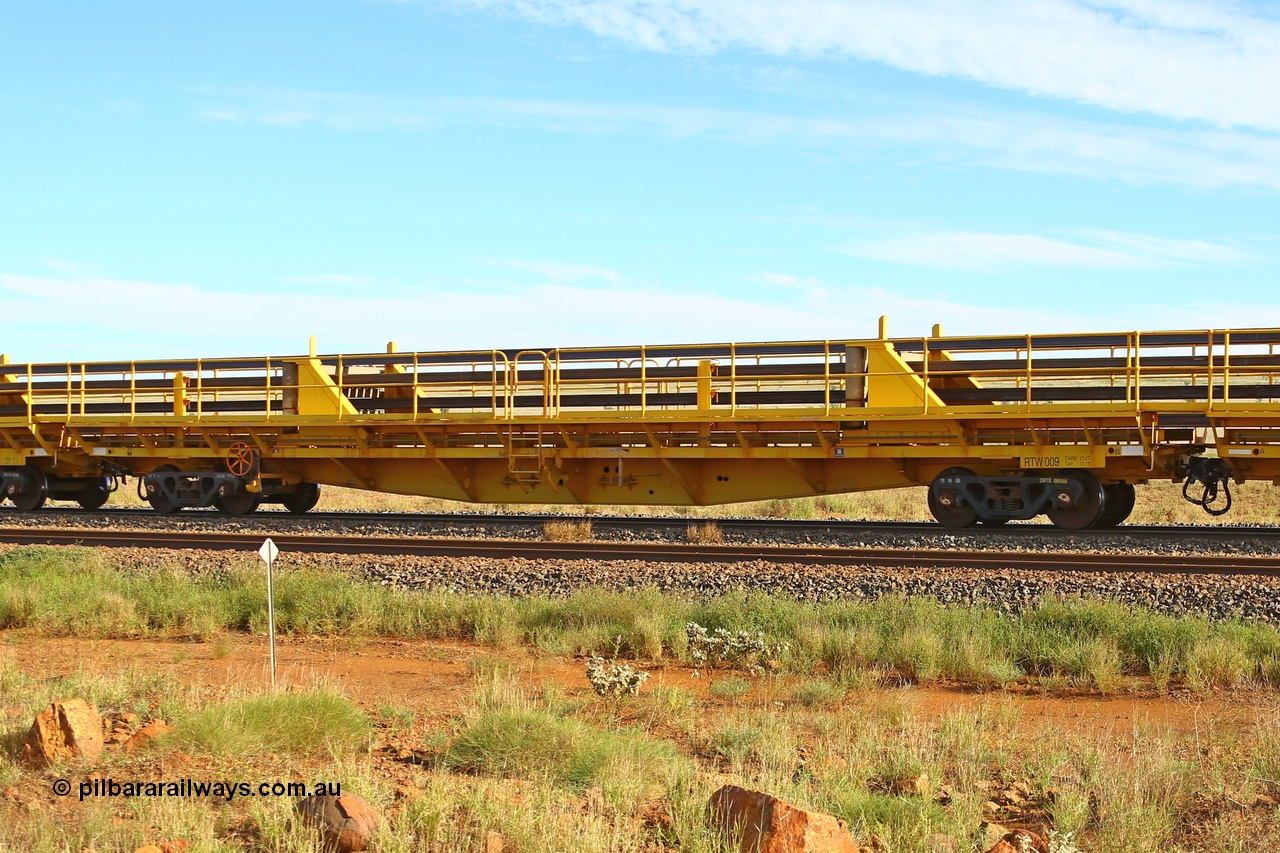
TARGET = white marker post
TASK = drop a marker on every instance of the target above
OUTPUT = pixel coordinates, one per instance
(268, 553)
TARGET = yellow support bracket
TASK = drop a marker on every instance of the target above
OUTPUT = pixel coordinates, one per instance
(317, 393)
(894, 384)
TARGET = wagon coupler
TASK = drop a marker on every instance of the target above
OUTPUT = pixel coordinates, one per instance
(1215, 474)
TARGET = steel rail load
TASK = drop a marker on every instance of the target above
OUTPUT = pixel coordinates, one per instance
(999, 428)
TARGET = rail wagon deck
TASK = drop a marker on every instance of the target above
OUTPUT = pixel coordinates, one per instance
(999, 427)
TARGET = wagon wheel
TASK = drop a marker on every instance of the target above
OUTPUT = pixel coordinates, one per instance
(945, 504)
(34, 491)
(1120, 500)
(242, 502)
(241, 459)
(159, 502)
(96, 495)
(302, 498)
(1087, 510)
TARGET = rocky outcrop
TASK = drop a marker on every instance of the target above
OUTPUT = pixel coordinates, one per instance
(68, 729)
(347, 823)
(755, 822)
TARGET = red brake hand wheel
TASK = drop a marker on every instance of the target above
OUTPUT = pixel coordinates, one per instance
(241, 458)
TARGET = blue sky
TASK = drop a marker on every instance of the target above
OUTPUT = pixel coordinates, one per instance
(205, 178)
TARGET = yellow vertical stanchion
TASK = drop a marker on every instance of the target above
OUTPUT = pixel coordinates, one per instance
(1029, 369)
(1226, 367)
(644, 382)
(1208, 372)
(924, 352)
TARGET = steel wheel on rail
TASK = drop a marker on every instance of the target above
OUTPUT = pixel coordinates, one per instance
(242, 502)
(33, 492)
(304, 497)
(945, 502)
(96, 495)
(1120, 500)
(1084, 512)
(158, 501)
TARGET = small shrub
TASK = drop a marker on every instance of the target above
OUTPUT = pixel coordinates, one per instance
(567, 531)
(706, 533)
(746, 650)
(614, 680)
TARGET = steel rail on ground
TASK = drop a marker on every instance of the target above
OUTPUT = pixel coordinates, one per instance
(62, 516)
(657, 552)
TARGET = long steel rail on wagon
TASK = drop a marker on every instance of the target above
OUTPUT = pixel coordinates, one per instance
(999, 427)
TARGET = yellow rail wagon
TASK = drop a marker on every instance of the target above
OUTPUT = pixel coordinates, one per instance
(1000, 428)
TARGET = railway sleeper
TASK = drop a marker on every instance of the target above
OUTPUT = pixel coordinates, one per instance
(1074, 499)
(168, 490)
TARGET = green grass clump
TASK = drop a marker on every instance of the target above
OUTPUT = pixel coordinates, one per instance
(818, 692)
(535, 743)
(315, 720)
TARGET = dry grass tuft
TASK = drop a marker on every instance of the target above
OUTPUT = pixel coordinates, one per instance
(566, 531)
(707, 533)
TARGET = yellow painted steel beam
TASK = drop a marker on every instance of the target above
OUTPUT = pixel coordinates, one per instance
(788, 418)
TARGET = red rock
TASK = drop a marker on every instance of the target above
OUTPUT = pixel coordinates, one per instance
(347, 823)
(1003, 847)
(64, 730)
(174, 846)
(915, 786)
(755, 822)
(147, 848)
(146, 734)
(494, 842)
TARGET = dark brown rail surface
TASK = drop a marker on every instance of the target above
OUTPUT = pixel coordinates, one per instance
(658, 552)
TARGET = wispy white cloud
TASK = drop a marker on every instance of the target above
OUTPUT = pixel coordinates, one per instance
(972, 250)
(1183, 59)
(71, 267)
(553, 271)
(1007, 140)
(331, 279)
(84, 312)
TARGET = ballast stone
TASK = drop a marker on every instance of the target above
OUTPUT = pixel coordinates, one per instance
(347, 823)
(71, 728)
(755, 822)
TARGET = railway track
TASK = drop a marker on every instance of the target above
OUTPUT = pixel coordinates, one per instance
(604, 524)
(1170, 564)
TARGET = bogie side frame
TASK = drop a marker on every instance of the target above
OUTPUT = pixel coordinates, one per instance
(1037, 421)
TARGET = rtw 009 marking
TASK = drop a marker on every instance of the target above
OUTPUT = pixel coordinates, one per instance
(1063, 460)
